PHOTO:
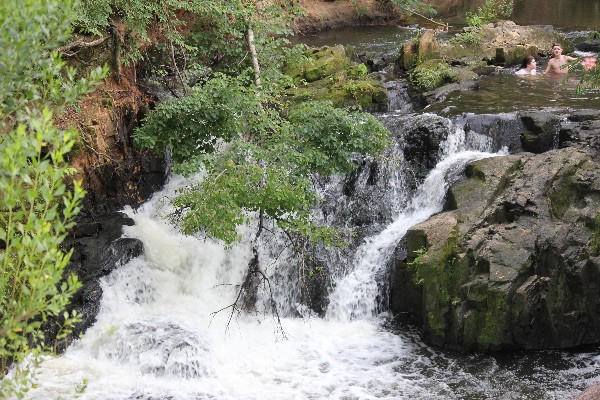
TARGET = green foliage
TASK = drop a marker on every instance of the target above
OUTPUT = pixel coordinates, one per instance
(36, 206)
(467, 37)
(258, 151)
(268, 152)
(35, 212)
(414, 6)
(589, 74)
(215, 35)
(28, 57)
(490, 11)
(432, 74)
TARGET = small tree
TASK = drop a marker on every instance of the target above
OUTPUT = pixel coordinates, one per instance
(36, 207)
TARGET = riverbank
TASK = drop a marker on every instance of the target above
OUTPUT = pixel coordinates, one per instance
(322, 15)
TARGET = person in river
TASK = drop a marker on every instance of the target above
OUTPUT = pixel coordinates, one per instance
(528, 66)
(557, 63)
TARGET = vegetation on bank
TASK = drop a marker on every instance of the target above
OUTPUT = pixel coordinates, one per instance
(37, 205)
(258, 148)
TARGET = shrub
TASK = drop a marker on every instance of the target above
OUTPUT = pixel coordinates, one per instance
(492, 10)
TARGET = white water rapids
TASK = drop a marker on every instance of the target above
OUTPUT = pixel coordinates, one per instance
(156, 337)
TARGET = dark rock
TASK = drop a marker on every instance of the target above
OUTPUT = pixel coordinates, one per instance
(398, 94)
(423, 136)
(589, 46)
(504, 129)
(93, 257)
(513, 263)
(542, 131)
(131, 181)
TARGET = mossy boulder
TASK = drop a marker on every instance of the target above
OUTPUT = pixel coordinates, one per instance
(330, 74)
(432, 74)
(320, 63)
(409, 55)
(513, 261)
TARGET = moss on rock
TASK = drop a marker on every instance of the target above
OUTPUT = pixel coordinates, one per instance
(320, 63)
(329, 74)
(432, 74)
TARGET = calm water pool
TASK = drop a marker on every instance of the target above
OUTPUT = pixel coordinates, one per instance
(506, 92)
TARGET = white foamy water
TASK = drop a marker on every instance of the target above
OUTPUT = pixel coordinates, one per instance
(157, 337)
(356, 294)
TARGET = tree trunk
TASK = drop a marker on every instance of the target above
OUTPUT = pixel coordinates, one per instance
(250, 40)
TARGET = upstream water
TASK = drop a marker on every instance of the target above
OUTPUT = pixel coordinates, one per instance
(159, 335)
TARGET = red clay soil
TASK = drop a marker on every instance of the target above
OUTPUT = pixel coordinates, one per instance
(323, 15)
(97, 119)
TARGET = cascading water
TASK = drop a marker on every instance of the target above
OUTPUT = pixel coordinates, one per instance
(356, 294)
(157, 336)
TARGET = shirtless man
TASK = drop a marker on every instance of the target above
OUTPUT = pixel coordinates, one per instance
(555, 64)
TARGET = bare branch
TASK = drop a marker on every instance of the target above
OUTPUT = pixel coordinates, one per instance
(80, 44)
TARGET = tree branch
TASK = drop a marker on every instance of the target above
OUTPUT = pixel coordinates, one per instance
(80, 44)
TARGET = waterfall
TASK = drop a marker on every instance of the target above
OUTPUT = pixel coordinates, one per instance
(165, 332)
(356, 294)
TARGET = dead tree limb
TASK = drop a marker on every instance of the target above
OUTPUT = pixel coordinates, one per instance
(80, 43)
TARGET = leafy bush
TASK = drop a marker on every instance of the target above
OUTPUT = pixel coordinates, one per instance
(492, 10)
(468, 37)
(412, 6)
(36, 206)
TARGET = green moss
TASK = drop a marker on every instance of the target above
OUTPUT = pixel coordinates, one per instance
(473, 171)
(319, 63)
(594, 243)
(560, 196)
(329, 74)
(432, 74)
(493, 321)
(470, 329)
(439, 271)
(408, 58)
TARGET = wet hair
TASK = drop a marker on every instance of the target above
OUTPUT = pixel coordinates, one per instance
(526, 61)
(556, 44)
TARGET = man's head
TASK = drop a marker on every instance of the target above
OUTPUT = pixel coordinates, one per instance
(557, 49)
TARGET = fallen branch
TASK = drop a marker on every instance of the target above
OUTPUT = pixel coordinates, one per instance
(446, 26)
(81, 44)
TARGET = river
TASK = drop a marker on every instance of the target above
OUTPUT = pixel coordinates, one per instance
(165, 332)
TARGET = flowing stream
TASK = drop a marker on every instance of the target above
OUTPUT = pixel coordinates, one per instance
(158, 335)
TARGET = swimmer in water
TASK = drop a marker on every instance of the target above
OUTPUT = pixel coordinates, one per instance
(527, 67)
(557, 63)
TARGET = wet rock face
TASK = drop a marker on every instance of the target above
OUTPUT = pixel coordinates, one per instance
(98, 249)
(537, 131)
(130, 181)
(423, 135)
(364, 201)
(514, 261)
(504, 129)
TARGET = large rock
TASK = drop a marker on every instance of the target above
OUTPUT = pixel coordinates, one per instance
(514, 261)
(98, 249)
(514, 41)
(328, 73)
